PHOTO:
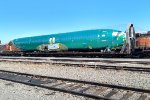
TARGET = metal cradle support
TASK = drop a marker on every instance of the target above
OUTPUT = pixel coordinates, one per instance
(130, 43)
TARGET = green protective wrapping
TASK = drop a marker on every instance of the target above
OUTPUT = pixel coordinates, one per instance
(88, 39)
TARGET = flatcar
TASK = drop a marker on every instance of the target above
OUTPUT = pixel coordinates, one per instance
(80, 40)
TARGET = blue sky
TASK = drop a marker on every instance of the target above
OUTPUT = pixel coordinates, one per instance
(21, 18)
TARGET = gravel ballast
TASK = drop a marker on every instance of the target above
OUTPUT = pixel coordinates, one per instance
(118, 77)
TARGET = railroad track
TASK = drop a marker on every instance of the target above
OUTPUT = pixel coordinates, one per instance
(77, 63)
(108, 60)
(89, 90)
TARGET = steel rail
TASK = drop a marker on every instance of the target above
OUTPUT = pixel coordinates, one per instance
(81, 60)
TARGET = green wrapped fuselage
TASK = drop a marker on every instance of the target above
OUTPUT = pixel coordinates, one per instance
(89, 39)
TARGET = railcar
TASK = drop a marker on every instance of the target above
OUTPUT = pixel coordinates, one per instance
(80, 40)
(8, 47)
(143, 41)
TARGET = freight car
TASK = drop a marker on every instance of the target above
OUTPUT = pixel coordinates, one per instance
(3, 48)
(72, 41)
(143, 41)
